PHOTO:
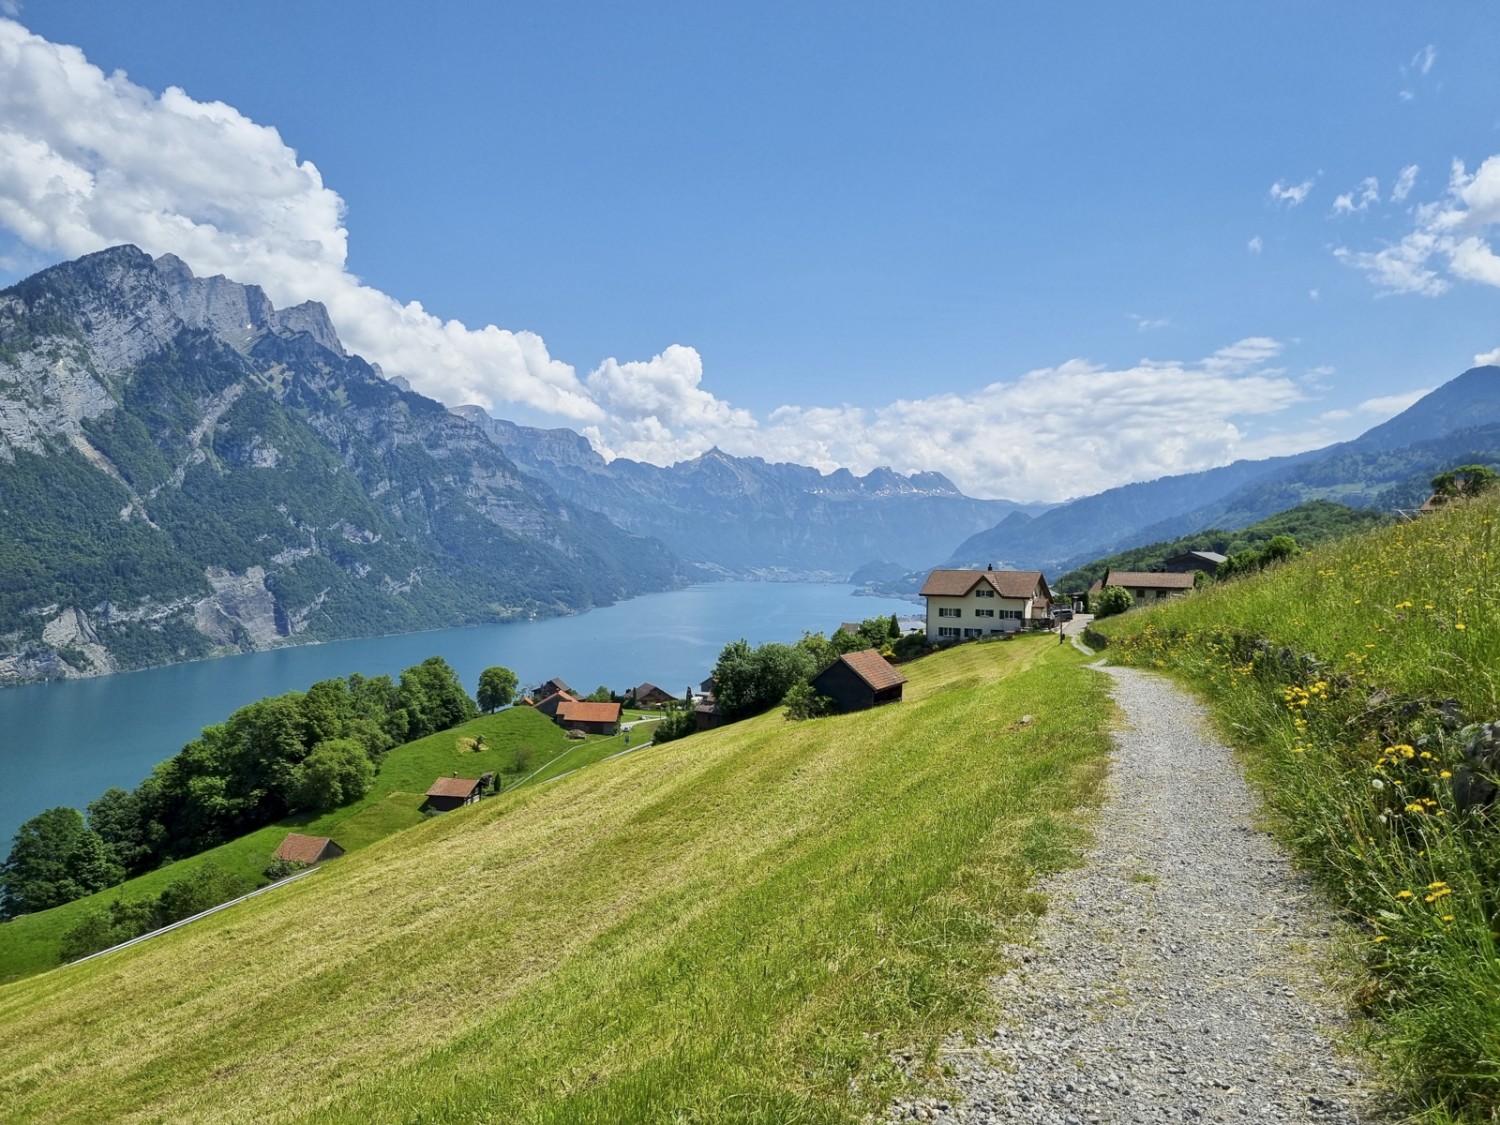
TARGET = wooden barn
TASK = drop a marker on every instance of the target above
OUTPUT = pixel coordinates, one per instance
(297, 848)
(857, 681)
(454, 792)
(591, 718)
(549, 704)
(649, 695)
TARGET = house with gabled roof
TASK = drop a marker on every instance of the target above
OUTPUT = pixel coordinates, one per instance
(649, 695)
(591, 718)
(297, 848)
(858, 681)
(964, 604)
(1146, 586)
(453, 792)
(551, 687)
(549, 704)
(1206, 561)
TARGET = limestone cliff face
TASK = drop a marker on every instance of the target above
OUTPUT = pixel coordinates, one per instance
(186, 470)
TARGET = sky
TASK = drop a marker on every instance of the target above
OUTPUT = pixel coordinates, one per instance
(1041, 252)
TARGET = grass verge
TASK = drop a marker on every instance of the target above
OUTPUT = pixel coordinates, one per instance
(741, 926)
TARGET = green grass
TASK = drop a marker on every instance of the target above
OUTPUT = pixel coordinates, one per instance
(30, 944)
(1346, 675)
(740, 926)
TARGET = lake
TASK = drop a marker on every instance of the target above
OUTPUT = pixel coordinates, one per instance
(64, 743)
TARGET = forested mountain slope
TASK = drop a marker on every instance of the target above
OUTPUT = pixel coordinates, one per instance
(185, 470)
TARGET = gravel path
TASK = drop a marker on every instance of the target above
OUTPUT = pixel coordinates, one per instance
(1173, 976)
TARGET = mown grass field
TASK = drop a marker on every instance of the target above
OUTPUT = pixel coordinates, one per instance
(520, 745)
(741, 926)
(1352, 676)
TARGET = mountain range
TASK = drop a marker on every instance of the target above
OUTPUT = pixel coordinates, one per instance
(186, 470)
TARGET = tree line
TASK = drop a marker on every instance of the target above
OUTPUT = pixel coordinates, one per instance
(300, 752)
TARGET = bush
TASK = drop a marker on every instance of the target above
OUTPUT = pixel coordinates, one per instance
(678, 721)
(1112, 600)
(279, 869)
(806, 702)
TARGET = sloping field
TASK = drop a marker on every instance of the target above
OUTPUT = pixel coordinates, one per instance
(741, 926)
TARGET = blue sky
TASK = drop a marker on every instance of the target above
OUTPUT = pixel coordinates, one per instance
(1041, 252)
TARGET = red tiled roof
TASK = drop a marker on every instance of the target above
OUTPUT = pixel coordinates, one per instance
(1139, 578)
(453, 787)
(589, 712)
(873, 668)
(1007, 583)
(298, 848)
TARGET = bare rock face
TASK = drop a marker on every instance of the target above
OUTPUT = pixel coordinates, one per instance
(72, 630)
(240, 611)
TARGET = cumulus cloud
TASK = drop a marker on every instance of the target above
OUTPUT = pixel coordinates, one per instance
(89, 160)
(1360, 199)
(1404, 183)
(1291, 194)
(1254, 245)
(1485, 359)
(1449, 239)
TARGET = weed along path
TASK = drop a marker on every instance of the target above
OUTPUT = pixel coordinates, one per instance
(1173, 978)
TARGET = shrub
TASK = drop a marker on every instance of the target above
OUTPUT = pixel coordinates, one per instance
(1112, 600)
(805, 702)
(279, 869)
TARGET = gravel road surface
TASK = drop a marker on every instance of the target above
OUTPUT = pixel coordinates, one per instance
(1174, 976)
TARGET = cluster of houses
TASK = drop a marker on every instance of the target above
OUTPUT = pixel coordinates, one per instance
(967, 604)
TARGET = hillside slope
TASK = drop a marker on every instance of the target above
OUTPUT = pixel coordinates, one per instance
(741, 926)
(186, 470)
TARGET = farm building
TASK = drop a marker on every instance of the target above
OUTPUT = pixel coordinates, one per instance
(297, 848)
(549, 704)
(452, 793)
(857, 681)
(649, 695)
(591, 718)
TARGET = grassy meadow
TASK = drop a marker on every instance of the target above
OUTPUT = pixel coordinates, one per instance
(748, 925)
(521, 747)
(1351, 676)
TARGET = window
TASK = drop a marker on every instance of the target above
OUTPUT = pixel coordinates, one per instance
(984, 613)
(973, 632)
(947, 631)
(1010, 615)
(945, 612)
(984, 592)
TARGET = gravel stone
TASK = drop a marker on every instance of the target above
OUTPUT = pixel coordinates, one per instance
(1173, 978)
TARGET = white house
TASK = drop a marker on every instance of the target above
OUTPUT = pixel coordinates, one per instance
(980, 603)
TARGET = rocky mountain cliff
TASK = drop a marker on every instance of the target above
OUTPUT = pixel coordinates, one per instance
(745, 517)
(1388, 466)
(186, 470)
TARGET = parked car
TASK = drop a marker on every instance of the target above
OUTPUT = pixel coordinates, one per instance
(1063, 614)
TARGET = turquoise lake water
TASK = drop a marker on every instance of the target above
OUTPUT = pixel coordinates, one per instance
(65, 743)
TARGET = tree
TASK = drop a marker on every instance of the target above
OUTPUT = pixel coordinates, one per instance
(748, 681)
(1464, 482)
(334, 774)
(433, 698)
(893, 631)
(1112, 600)
(806, 702)
(600, 694)
(205, 886)
(119, 816)
(54, 858)
(497, 688)
(1280, 547)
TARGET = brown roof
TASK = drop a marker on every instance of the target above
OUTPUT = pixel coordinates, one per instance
(303, 849)
(873, 668)
(1007, 583)
(1149, 580)
(589, 712)
(453, 787)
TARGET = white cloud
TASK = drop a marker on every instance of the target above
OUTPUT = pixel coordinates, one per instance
(10, 8)
(1315, 294)
(1450, 234)
(1335, 415)
(1388, 406)
(1291, 194)
(1404, 183)
(89, 160)
(1485, 359)
(1424, 58)
(1146, 324)
(1360, 199)
(1254, 245)
(1406, 95)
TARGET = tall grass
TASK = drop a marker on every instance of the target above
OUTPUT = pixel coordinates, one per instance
(1352, 675)
(742, 926)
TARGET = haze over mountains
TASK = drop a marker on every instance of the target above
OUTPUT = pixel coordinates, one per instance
(186, 471)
